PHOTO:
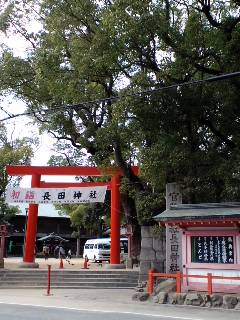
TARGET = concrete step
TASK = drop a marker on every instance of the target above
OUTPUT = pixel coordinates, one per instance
(69, 274)
(70, 284)
(68, 279)
(65, 287)
(117, 280)
(63, 275)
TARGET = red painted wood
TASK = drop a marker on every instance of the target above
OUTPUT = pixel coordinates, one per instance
(31, 225)
(178, 282)
(208, 286)
(75, 171)
(150, 281)
(44, 184)
(49, 280)
(37, 171)
(227, 222)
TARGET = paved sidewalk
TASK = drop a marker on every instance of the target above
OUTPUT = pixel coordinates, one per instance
(110, 300)
(73, 264)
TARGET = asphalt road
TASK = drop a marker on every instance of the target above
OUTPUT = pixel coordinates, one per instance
(18, 312)
(28, 312)
(89, 304)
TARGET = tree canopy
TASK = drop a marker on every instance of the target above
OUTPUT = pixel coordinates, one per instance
(94, 76)
(14, 152)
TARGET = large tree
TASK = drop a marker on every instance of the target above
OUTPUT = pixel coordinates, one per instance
(12, 152)
(88, 53)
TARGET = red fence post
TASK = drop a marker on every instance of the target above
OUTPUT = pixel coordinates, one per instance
(49, 280)
(209, 280)
(150, 281)
(178, 282)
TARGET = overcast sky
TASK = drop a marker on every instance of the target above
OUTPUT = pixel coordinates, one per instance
(21, 126)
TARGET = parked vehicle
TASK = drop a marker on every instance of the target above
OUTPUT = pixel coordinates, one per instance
(98, 250)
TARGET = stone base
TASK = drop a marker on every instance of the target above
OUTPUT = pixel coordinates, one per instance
(115, 266)
(129, 263)
(28, 265)
(1, 263)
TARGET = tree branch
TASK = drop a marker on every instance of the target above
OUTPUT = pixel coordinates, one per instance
(217, 133)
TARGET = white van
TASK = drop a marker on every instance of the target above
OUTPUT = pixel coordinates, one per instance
(98, 250)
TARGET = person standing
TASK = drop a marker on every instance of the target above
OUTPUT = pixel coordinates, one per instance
(61, 252)
(45, 251)
(69, 254)
(56, 252)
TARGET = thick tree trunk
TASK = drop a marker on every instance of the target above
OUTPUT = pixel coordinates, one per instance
(129, 208)
(128, 203)
(78, 247)
(78, 244)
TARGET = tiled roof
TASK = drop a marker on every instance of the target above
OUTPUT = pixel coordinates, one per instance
(202, 211)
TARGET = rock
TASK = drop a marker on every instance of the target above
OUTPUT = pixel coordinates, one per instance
(162, 297)
(172, 299)
(155, 299)
(237, 307)
(206, 300)
(193, 299)
(166, 286)
(140, 296)
(176, 298)
(229, 301)
(216, 300)
(143, 296)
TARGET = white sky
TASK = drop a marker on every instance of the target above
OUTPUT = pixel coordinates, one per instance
(21, 126)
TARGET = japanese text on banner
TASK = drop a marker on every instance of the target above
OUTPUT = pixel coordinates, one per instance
(56, 195)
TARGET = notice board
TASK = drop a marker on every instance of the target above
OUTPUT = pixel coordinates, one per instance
(212, 249)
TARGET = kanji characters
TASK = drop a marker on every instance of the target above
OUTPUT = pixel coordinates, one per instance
(46, 196)
(61, 195)
(77, 195)
(212, 249)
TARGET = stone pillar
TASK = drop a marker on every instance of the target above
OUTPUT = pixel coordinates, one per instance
(153, 252)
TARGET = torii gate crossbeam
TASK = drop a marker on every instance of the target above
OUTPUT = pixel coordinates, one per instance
(37, 171)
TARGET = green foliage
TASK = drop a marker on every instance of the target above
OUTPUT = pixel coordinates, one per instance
(148, 205)
(16, 152)
(158, 231)
(87, 50)
(86, 216)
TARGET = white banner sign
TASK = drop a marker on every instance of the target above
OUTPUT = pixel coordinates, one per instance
(56, 195)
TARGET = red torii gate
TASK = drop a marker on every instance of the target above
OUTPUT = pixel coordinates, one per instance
(37, 171)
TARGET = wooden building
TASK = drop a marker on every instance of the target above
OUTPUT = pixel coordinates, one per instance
(210, 243)
(49, 220)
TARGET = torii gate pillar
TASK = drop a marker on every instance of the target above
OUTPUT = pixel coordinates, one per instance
(30, 237)
(115, 221)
